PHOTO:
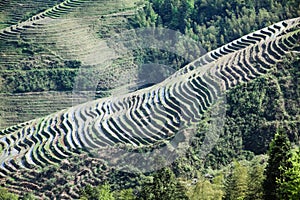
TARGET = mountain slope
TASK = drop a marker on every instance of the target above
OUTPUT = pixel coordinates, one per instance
(144, 118)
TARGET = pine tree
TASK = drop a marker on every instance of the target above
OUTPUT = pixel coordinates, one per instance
(279, 155)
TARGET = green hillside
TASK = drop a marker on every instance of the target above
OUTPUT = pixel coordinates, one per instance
(55, 54)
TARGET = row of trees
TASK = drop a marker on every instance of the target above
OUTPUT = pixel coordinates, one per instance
(163, 185)
(215, 22)
(38, 80)
(58, 76)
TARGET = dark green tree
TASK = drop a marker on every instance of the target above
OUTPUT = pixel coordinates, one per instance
(101, 192)
(164, 186)
(279, 161)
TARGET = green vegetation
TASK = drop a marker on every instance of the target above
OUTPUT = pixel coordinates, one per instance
(38, 80)
(278, 163)
(104, 192)
(215, 23)
(163, 186)
(237, 182)
(5, 195)
(289, 186)
(207, 189)
(241, 180)
(28, 196)
(235, 168)
(100, 192)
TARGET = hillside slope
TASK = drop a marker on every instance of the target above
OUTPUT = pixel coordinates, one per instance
(47, 47)
(39, 43)
(144, 119)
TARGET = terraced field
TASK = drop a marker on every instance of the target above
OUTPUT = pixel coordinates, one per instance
(42, 37)
(16, 11)
(56, 31)
(151, 118)
(24, 107)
